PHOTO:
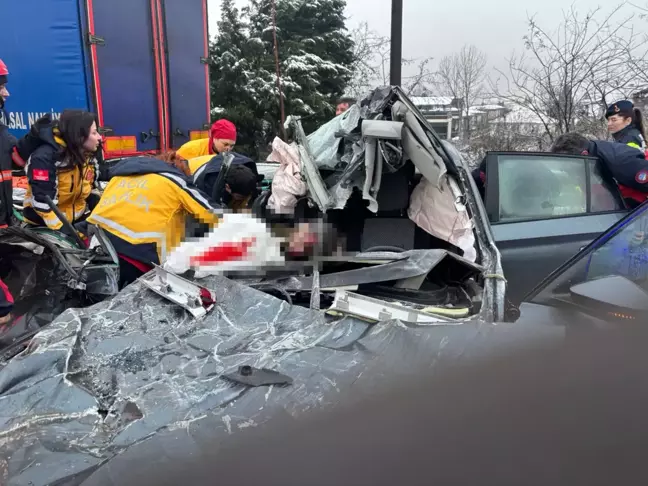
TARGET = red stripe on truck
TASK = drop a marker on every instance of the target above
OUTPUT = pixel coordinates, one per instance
(158, 74)
(207, 86)
(95, 67)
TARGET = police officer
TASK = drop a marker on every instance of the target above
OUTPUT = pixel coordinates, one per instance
(625, 123)
(625, 164)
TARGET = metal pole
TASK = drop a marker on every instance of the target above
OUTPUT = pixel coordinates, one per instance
(278, 68)
(396, 55)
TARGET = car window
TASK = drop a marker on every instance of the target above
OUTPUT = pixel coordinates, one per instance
(624, 254)
(541, 187)
(620, 251)
(603, 198)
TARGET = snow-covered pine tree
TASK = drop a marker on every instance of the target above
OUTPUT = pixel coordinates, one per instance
(318, 54)
(232, 66)
(315, 53)
(227, 61)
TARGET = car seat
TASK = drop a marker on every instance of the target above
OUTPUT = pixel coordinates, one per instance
(390, 226)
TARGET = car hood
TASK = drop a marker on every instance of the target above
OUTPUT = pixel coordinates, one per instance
(101, 380)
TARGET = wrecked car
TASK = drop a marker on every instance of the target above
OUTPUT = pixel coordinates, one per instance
(47, 273)
(385, 180)
(174, 358)
(108, 391)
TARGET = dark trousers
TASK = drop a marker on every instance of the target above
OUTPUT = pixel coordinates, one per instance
(128, 273)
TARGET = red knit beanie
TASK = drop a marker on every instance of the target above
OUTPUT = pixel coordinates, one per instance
(221, 130)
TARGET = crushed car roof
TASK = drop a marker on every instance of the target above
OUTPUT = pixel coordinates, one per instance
(100, 380)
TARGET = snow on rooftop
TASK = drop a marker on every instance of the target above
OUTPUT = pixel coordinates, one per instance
(431, 100)
(490, 107)
(519, 114)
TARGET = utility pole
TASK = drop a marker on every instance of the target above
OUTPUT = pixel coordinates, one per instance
(396, 53)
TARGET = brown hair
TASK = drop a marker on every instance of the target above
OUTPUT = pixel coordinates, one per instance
(74, 128)
(173, 159)
(638, 122)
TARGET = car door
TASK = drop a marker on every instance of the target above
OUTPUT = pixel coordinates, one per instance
(543, 208)
(604, 285)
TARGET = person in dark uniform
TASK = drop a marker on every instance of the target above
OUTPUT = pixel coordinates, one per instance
(625, 123)
(240, 182)
(479, 175)
(624, 164)
(7, 143)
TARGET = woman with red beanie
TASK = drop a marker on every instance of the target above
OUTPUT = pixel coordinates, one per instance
(222, 138)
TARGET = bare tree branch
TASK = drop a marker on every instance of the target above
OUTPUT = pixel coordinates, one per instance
(371, 64)
(566, 77)
(371, 59)
(462, 77)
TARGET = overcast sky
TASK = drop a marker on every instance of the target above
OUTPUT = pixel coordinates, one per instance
(438, 28)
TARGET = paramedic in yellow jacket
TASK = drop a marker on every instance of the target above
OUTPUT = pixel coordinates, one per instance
(143, 210)
(222, 138)
(62, 167)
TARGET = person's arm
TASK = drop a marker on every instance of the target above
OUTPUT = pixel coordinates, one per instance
(42, 177)
(627, 166)
(194, 201)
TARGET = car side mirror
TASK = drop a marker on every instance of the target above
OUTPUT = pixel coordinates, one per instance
(613, 296)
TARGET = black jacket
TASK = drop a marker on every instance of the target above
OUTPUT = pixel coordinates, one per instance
(630, 135)
(205, 177)
(7, 143)
(479, 176)
(627, 165)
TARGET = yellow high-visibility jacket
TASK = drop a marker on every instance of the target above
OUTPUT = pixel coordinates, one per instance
(144, 207)
(50, 173)
(193, 149)
(197, 162)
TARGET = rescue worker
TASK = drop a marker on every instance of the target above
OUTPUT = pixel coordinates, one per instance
(240, 182)
(143, 210)
(343, 105)
(625, 123)
(625, 164)
(6, 303)
(222, 138)
(62, 167)
(7, 143)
